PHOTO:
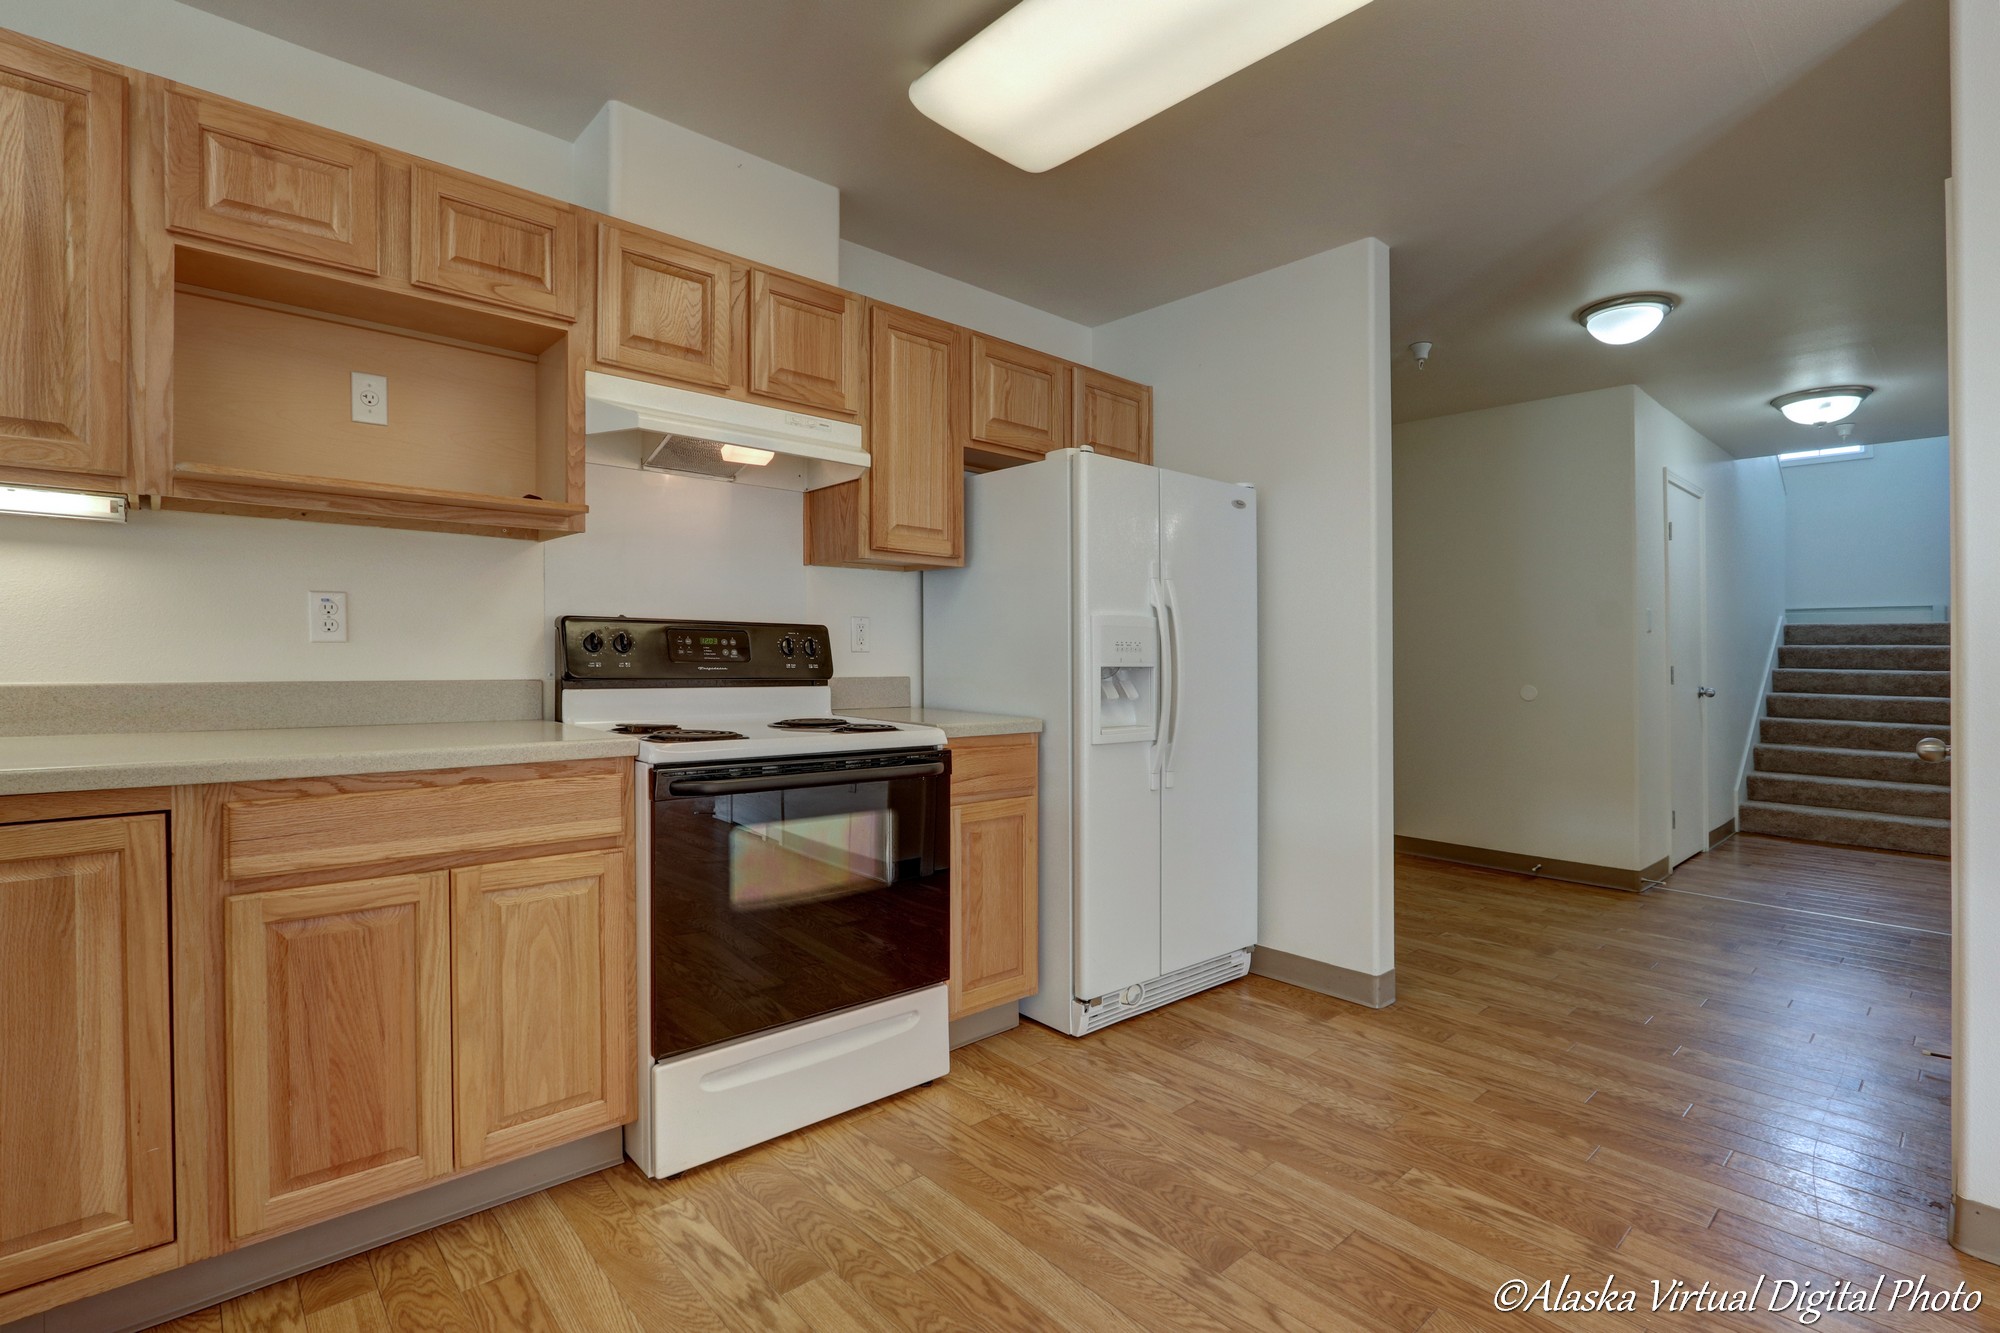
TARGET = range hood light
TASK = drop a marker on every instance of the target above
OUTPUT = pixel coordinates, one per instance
(744, 454)
(62, 504)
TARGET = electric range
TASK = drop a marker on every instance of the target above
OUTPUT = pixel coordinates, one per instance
(793, 880)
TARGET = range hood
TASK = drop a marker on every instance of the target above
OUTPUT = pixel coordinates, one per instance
(660, 429)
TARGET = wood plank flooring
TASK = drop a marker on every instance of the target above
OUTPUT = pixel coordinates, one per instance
(1572, 1081)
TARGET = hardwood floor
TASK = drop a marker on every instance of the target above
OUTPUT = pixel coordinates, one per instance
(1889, 888)
(1572, 1081)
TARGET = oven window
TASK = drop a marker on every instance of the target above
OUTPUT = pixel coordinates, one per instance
(773, 907)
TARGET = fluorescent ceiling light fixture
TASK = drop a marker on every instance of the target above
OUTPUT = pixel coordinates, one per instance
(1822, 407)
(62, 504)
(744, 454)
(1053, 78)
(1626, 319)
(1835, 454)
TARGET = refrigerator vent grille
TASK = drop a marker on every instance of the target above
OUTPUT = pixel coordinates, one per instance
(1165, 990)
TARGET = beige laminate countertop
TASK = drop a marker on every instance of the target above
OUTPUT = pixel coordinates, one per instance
(31, 764)
(953, 722)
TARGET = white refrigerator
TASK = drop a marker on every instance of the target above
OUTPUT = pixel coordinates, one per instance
(1118, 603)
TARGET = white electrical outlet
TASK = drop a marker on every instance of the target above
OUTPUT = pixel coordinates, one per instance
(326, 617)
(857, 634)
(371, 399)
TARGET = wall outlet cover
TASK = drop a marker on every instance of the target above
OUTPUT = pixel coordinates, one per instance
(326, 617)
(857, 634)
(371, 399)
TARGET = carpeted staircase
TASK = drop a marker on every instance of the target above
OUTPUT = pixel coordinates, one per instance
(1835, 759)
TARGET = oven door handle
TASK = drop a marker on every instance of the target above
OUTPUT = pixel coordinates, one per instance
(786, 781)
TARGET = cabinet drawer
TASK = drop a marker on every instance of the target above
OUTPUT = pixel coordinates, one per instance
(478, 239)
(984, 767)
(333, 829)
(272, 184)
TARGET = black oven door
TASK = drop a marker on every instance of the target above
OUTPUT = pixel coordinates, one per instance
(788, 890)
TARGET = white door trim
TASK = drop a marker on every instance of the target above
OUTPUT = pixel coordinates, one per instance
(1671, 481)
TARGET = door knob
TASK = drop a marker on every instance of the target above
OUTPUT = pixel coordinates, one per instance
(1933, 751)
(1704, 692)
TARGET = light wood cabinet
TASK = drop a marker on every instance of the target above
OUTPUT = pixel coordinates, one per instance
(269, 183)
(1020, 400)
(1114, 416)
(86, 1097)
(479, 239)
(540, 961)
(908, 510)
(662, 309)
(807, 344)
(995, 876)
(339, 1047)
(62, 268)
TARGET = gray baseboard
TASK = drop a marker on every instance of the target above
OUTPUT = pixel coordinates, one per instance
(1721, 833)
(978, 1027)
(1572, 872)
(1342, 983)
(154, 1300)
(1975, 1229)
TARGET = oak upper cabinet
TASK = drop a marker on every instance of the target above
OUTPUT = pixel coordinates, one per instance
(995, 877)
(541, 954)
(268, 183)
(86, 1097)
(1114, 416)
(338, 1046)
(489, 242)
(662, 309)
(62, 268)
(807, 343)
(1020, 400)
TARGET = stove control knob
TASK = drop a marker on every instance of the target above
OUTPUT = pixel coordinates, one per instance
(593, 643)
(812, 646)
(788, 645)
(621, 643)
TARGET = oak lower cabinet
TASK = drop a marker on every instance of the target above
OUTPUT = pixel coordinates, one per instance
(86, 1095)
(995, 878)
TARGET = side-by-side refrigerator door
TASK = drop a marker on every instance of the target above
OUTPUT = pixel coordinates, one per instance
(1208, 825)
(1117, 810)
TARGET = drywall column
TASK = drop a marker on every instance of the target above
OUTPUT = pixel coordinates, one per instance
(1974, 222)
(1282, 379)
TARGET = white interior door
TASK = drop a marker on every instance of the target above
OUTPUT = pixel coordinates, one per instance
(1686, 672)
(1208, 824)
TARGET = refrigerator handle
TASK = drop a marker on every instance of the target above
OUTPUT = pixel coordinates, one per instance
(1171, 687)
(1156, 761)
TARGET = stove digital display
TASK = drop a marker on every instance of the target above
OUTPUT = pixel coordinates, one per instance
(708, 645)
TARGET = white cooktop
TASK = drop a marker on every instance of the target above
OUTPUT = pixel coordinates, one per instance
(747, 710)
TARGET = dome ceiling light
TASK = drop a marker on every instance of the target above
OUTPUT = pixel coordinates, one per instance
(1626, 319)
(1822, 407)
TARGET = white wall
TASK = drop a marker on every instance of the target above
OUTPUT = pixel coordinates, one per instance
(1514, 569)
(1282, 379)
(1974, 220)
(899, 282)
(1873, 532)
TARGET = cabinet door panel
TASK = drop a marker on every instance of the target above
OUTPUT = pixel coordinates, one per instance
(62, 264)
(662, 309)
(339, 1047)
(1020, 397)
(478, 239)
(272, 184)
(806, 343)
(914, 490)
(86, 1157)
(541, 962)
(994, 882)
(1114, 416)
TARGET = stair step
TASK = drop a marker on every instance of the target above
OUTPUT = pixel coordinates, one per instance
(1849, 828)
(1866, 657)
(1902, 632)
(1832, 762)
(1831, 793)
(1906, 684)
(1847, 735)
(1860, 708)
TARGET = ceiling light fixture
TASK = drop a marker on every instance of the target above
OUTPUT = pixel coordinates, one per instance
(1822, 407)
(1626, 319)
(1053, 78)
(62, 504)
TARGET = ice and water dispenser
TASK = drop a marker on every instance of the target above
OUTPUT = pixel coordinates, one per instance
(1126, 653)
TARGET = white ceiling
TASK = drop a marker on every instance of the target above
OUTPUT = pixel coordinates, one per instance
(1778, 163)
